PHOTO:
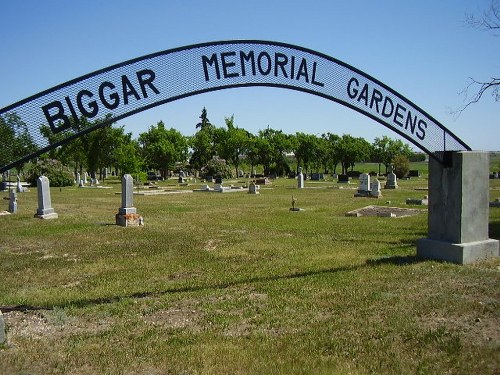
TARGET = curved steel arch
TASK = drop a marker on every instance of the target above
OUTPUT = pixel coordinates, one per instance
(121, 90)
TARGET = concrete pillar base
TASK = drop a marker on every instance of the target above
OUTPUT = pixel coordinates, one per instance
(461, 253)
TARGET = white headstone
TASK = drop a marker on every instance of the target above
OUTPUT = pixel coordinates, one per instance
(45, 210)
(78, 178)
(300, 179)
(364, 182)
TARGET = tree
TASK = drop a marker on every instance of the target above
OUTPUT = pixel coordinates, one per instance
(203, 143)
(385, 149)
(205, 122)
(488, 21)
(233, 143)
(351, 150)
(272, 151)
(162, 148)
(333, 157)
(15, 138)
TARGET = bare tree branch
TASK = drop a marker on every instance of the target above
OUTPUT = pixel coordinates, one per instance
(489, 21)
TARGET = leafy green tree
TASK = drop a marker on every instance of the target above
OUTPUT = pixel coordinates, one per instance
(162, 148)
(333, 156)
(203, 143)
(127, 157)
(385, 149)
(352, 150)
(16, 139)
(272, 151)
(233, 143)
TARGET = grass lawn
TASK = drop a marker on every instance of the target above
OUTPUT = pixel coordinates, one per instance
(237, 284)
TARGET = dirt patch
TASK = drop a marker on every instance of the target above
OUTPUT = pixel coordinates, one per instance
(176, 317)
(383, 211)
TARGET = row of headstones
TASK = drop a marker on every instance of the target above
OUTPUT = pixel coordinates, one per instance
(364, 180)
(126, 216)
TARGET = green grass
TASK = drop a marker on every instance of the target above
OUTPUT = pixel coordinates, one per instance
(236, 284)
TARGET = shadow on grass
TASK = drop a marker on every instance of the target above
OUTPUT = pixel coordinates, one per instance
(395, 260)
(494, 230)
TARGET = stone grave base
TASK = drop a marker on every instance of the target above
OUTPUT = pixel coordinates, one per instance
(52, 215)
(417, 202)
(383, 211)
(296, 209)
(366, 194)
(129, 220)
(461, 253)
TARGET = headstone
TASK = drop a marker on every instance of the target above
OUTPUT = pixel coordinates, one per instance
(3, 332)
(392, 181)
(19, 186)
(300, 179)
(253, 188)
(85, 178)
(375, 188)
(343, 179)
(45, 210)
(12, 202)
(78, 179)
(127, 213)
(458, 213)
(364, 183)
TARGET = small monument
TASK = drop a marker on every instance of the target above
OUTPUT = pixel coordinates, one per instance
(392, 181)
(3, 333)
(127, 213)
(253, 188)
(45, 210)
(364, 185)
(375, 189)
(300, 179)
(293, 208)
(12, 202)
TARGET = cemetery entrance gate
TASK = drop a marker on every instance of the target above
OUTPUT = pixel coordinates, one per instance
(121, 90)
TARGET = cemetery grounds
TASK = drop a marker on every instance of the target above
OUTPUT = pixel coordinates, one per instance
(235, 283)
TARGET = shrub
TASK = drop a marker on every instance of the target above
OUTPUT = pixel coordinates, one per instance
(217, 168)
(57, 173)
(401, 165)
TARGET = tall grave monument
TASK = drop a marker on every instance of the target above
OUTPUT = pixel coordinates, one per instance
(459, 210)
(45, 210)
(127, 213)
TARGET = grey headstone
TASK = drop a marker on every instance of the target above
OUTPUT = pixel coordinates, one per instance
(45, 210)
(392, 181)
(12, 202)
(127, 196)
(253, 188)
(375, 188)
(3, 333)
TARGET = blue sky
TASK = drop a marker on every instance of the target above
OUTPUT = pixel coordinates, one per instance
(421, 49)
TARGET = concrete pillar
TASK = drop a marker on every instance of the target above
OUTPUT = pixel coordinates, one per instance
(459, 210)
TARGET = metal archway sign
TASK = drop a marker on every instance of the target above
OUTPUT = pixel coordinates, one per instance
(122, 90)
